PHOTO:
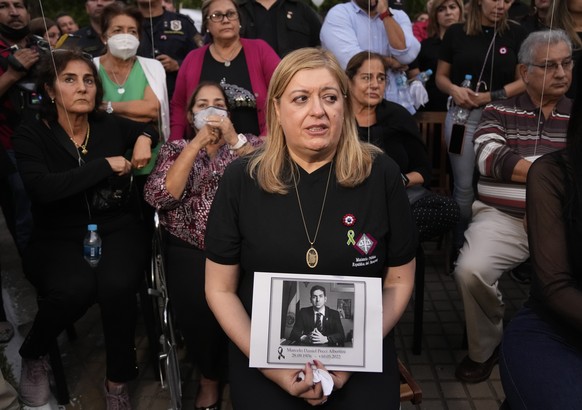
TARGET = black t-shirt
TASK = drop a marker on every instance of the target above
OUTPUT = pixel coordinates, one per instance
(236, 82)
(265, 23)
(171, 34)
(264, 232)
(531, 23)
(466, 55)
(87, 40)
(428, 58)
(396, 133)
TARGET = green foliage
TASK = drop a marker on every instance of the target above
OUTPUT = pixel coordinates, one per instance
(191, 4)
(52, 7)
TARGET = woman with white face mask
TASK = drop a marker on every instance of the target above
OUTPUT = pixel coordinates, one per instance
(134, 87)
(182, 187)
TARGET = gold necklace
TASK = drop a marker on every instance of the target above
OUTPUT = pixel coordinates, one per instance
(311, 256)
(227, 61)
(83, 146)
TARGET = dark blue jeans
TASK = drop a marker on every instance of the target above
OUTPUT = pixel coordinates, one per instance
(539, 369)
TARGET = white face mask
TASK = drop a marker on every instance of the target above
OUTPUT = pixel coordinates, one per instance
(123, 46)
(200, 116)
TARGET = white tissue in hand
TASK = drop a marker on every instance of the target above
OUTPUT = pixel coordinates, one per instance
(418, 93)
(323, 377)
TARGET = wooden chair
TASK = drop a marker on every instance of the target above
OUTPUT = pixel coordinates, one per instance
(432, 132)
(409, 389)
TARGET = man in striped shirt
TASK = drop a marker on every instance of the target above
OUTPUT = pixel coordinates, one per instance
(512, 133)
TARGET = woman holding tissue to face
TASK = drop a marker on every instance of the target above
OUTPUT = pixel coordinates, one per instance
(182, 187)
(310, 185)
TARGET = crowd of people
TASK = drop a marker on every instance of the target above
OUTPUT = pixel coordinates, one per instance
(267, 141)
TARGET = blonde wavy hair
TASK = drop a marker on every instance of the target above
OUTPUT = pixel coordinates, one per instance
(272, 166)
(563, 19)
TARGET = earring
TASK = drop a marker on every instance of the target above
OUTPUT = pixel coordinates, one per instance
(52, 100)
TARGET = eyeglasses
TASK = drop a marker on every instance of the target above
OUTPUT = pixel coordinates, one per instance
(552, 66)
(218, 17)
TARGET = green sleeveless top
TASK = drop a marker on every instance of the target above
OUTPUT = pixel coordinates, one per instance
(134, 90)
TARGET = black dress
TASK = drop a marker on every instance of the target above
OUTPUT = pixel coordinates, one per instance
(264, 232)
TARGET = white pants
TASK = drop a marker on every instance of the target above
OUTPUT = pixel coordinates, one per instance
(495, 242)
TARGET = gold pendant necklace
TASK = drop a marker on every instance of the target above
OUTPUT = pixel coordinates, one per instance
(83, 146)
(311, 256)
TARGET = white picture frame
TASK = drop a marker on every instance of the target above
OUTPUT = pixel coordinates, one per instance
(275, 317)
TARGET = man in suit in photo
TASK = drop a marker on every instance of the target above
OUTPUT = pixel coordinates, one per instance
(318, 324)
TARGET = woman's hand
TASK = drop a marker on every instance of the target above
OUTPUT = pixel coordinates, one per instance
(464, 97)
(224, 127)
(340, 379)
(206, 136)
(142, 152)
(119, 165)
(482, 99)
(288, 380)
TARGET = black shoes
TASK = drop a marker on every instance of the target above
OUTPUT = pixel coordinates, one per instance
(469, 371)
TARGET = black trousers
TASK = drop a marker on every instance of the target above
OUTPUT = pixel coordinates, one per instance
(205, 339)
(67, 286)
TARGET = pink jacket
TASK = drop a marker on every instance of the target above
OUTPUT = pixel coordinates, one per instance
(261, 62)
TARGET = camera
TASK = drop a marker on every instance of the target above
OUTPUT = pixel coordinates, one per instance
(39, 44)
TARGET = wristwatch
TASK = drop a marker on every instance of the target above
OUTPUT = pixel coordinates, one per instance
(109, 109)
(242, 140)
(385, 14)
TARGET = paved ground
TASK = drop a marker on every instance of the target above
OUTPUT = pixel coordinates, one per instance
(433, 369)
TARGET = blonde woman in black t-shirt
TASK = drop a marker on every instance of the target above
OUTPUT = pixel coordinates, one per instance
(290, 208)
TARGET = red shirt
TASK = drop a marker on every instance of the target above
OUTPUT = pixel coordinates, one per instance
(6, 109)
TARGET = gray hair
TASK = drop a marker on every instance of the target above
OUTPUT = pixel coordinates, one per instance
(543, 38)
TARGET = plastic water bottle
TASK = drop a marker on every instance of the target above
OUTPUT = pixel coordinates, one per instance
(403, 92)
(422, 77)
(92, 246)
(460, 114)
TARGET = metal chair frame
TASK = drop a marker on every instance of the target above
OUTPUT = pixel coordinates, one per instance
(169, 364)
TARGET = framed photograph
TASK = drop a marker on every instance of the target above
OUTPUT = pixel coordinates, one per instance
(334, 319)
